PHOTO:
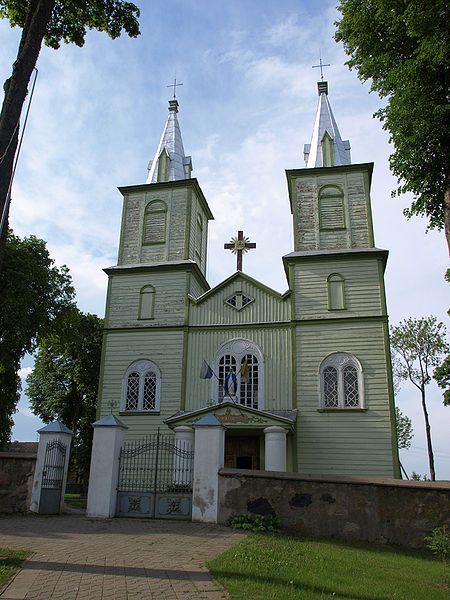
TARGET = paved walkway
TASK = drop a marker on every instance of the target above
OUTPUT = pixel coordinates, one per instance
(76, 558)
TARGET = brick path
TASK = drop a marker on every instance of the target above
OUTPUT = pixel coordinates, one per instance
(76, 558)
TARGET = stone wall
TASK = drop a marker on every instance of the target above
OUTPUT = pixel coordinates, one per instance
(350, 508)
(16, 481)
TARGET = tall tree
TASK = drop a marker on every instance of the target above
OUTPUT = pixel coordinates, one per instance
(49, 21)
(33, 293)
(419, 345)
(403, 48)
(63, 384)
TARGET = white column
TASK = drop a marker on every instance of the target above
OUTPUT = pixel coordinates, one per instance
(51, 432)
(183, 466)
(275, 448)
(208, 459)
(109, 435)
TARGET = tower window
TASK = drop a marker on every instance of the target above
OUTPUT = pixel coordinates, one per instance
(331, 208)
(199, 237)
(163, 166)
(336, 292)
(341, 382)
(141, 387)
(155, 221)
(147, 302)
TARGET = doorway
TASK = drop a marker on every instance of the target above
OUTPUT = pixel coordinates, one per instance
(241, 452)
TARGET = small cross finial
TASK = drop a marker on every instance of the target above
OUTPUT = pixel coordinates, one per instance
(111, 405)
(239, 245)
(320, 66)
(174, 85)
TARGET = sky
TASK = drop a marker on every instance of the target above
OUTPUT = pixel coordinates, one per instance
(247, 107)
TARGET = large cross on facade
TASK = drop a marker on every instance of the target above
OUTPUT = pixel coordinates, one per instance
(239, 246)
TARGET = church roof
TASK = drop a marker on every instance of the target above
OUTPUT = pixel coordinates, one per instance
(240, 275)
(170, 149)
(326, 130)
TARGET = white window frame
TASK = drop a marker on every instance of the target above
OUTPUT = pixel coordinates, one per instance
(142, 366)
(239, 347)
(340, 360)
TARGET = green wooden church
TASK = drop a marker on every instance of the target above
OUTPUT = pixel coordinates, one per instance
(302, 380)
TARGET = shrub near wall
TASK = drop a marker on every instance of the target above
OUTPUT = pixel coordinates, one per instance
(350, 508)
(16, 481)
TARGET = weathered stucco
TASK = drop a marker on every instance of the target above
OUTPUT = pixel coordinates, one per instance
(350, 508)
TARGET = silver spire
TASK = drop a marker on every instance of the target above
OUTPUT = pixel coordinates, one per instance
(170, 162)
(327, 149)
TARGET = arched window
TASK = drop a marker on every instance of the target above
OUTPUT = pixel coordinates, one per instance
(155, 218)
(331, 207)
(336, 292)
(141, 387)
(147, 302)
(239, 366)
(341, 382)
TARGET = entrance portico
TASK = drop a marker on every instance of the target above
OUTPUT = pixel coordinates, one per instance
(254, 439)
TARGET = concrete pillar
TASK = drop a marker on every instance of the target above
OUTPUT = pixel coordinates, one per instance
(183, 465)
(208, 459)
(109, 435)
(275, 448)
(55, 431)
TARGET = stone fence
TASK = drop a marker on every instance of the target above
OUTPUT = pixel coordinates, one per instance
(349, 508)
(16, 481)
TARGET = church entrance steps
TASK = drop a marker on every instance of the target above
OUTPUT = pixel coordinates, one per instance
(155, 478)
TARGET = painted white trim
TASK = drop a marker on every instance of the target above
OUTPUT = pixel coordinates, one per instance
(141, 366)
(239, 347)
(339, 360)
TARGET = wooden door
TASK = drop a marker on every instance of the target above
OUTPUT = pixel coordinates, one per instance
(242, 453)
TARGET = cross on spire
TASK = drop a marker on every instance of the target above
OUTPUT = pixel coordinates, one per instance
(174, 85)
(320, 66)
(239, 246)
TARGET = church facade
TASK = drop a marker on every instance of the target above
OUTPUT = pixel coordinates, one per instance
(310, 367)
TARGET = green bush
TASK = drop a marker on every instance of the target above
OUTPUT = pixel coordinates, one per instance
(253, 522)
(439, 544)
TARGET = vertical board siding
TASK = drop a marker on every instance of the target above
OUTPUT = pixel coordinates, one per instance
(165, 349)
(275, 345)
(362, 288)
(305, 202)
(265, 307)
(170, 290)
(345, 442)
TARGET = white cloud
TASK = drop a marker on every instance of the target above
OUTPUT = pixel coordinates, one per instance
(24, 372)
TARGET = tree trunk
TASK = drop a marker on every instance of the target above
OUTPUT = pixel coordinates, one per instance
(447, 216)
(16, 88)
(428, 432)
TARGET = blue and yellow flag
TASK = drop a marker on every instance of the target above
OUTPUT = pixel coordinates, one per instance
(244, 371)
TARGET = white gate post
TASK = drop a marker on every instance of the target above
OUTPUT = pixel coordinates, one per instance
(109, 435)
(184, 442)
(275, 448)
(55, 431)
(208, 459)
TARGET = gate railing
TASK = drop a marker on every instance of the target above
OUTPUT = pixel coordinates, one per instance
(54, 462)
(156, 463)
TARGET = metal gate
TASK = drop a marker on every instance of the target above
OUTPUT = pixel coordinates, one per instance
(155, 478)
(52, 477)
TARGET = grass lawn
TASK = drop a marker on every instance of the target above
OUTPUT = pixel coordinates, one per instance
(271, 566)
(75, 501)
(10, 562)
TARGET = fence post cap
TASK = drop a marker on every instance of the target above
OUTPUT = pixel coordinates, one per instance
(109, 421)
(55, 427)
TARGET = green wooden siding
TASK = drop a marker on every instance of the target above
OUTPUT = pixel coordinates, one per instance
(266, 307)
(305, 204)
(165, 348)
(362, 288)
(169, 299)
(274, 343)
(347, 442)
